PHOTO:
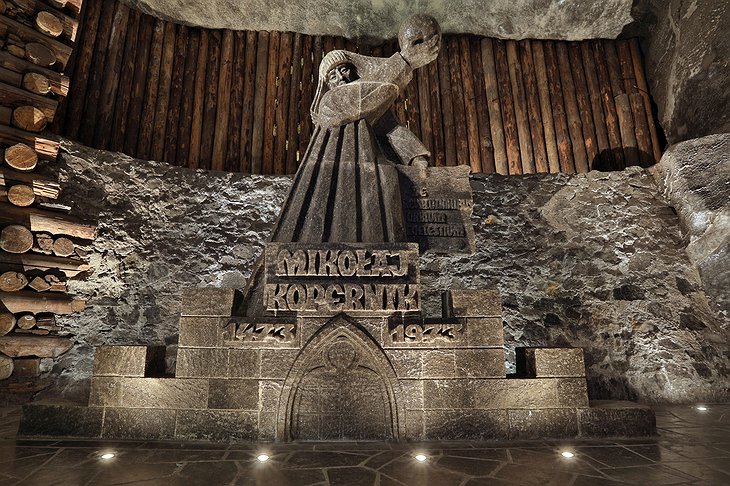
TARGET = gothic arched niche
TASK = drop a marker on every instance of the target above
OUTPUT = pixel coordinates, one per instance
(340, 388)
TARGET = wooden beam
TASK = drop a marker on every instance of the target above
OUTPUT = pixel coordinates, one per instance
(16, 97)
(45, 146)
(28, 34)
(38, 220)
(30, 261)
(223, 104)
(32, 7)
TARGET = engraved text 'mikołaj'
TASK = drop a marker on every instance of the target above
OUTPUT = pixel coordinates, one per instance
(325, 277)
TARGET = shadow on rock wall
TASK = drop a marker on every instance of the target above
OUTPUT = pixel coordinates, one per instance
(593, 260)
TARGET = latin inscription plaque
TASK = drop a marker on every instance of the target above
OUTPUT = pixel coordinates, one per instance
(437, 208)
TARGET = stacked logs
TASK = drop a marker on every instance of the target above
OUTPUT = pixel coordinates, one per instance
(39, 240)
(239, 101)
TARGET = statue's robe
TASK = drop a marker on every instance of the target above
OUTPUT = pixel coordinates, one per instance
(346, 189)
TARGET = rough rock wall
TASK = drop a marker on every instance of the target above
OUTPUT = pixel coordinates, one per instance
(594, 260)
(380, 19)
(688, 64)
(695, 177)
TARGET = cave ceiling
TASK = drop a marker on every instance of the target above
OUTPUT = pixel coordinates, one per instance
(379, 19)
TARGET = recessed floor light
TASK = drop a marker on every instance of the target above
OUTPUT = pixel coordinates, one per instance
(701, 408)
(567, 454)
(421, 457)
(107, 455)
(263, 457)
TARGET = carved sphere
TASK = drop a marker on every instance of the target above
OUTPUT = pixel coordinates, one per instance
(417, 29)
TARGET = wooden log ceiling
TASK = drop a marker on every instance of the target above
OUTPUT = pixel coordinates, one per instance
(239, 101)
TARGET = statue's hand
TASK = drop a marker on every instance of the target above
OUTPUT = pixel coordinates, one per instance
(419, 55)
(419, 161)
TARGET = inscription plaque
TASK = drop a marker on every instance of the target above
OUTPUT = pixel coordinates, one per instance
(344, 277)
(437, 208)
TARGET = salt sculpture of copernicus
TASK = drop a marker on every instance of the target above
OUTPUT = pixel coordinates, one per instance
(346, 189)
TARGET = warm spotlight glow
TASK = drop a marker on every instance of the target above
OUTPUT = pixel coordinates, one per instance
(263, 457)
(567, 454)
(701, 408)
(107, 455)
(421, 457)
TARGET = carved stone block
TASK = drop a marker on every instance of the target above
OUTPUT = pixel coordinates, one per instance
(267, 426)
(606, 418)
(276, 364)
(572, 392)
(485, 331)
(174, 393)
(208, 301)
(216, 425)
(412, 397)
(202, 332)
(120, 360)
(553, 362)
(553, 423)
(41, 420)
(233, 394)
(475, 303)
(429, 333)
(466, 425)
(480, 363)
(536, 393)
(244, 363)
(269, 393)
(106, 391)
(414, 424)
(407, 363)
(202, 363)
(439, 363)
(147, 424)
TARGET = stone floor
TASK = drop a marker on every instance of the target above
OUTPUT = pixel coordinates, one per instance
(693, 447)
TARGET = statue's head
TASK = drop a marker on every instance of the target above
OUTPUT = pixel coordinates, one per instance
(417, 29)
(337, 69)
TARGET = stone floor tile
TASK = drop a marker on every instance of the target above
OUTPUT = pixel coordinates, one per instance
(121, 473)
(202, 473)
(351, 476)
(274, 476)
(167, 455)
(487, 482)
(656, 453)
(324, 459)
(550, 459)
(413, 473)
(382, 458)
(649, 475)
(489, 454)
(692, 451)
(22, 467)
(719, 463)
(702, 471)
(581, 480)
(519, 474)
(60, 476)
(470, 467)
(613, 456)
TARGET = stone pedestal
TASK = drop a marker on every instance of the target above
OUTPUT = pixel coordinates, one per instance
(341, 377)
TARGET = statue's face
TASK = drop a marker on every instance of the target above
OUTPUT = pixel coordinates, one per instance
(340, 75)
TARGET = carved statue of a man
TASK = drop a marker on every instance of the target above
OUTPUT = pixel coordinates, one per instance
(346, 188)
